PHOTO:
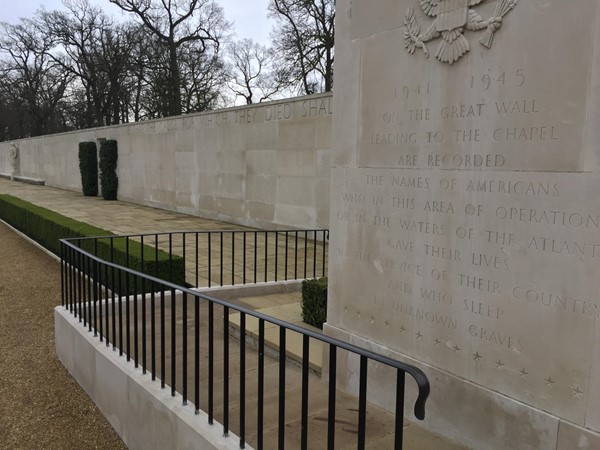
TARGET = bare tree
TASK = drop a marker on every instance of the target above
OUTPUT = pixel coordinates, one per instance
(203, 74)
(304, 37)
(175, 23)
(31, 78)
(255, 76)
(77, 35)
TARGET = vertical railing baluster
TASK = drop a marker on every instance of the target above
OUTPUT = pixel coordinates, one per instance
(73, 282)
(399, 426)
(99, 304)
(163, 369)
(221, 260)
(135, 322)
(209, 258)
(89, 292)
(67, 280)
(156, 255)
(296, 257)
(233, 258)
(314, 254)
(244, 260)
(332, 395)
(106, 306)
(261, 383)
(113, 296)
(305, 251)
(266, 256)
(225, 370)
(153, 331)
(62, 274)
(324, 273)
(79, 283)
(305, 367)
(362, 403)
(143, 292)
(197, 353)
(184, 349)
(173, 343)
(255, 254)
(286, 254)
(100, 326)
(197, 263)
(95, 288)
(211, 358)
(127, 316)
(184, 253)
(282, 361)
(171, 257)
(120, 275)
(276, 253)
(243, 377)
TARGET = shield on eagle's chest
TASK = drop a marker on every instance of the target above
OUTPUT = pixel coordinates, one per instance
(452, 14)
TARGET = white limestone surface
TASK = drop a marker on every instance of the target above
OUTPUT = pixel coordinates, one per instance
(465, 220)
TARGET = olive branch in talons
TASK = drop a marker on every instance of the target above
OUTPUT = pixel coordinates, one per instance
(451, 20)
(412, 33)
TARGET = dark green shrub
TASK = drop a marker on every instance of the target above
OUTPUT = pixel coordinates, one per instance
(46, 227)
(314, 302)
(88, 167)
(109, 182)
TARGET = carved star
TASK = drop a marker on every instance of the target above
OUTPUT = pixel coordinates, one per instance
(523, 372)
(402, 329)
(358, 313)
(372, 320)
(419, 335)
(387, 324)
(577, 392)
(499, 364)
(436, 342)
(477, 356)
(549, 381)
(456, 348)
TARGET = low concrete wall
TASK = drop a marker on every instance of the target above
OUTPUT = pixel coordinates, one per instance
(266, 165)
(145, 416)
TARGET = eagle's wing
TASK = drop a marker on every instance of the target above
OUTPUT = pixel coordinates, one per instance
(474, 2)
(430, 7)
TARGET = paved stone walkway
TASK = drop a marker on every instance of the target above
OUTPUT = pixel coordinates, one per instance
(127, 218)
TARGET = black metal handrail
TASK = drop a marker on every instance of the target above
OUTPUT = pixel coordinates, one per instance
(86, 278)
(263, 255)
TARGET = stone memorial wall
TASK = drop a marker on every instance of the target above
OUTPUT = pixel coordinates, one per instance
(264, 165)
(465, 220)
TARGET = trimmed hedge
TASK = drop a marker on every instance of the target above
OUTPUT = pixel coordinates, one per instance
(88, 167)
(46, 227)
(314, 302)
(108, 170)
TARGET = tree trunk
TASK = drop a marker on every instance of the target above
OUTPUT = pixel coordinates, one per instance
(175, 82)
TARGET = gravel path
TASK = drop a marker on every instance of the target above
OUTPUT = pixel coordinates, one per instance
(41, 406)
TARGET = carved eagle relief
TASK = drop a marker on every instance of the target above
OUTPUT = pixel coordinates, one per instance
(452, 18)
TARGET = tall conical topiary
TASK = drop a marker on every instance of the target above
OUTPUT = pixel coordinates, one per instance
(108, 170)
(88, 167)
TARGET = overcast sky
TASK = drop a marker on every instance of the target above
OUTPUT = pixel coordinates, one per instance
(250, 21)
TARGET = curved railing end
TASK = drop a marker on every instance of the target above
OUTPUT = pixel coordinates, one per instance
(424, 389)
